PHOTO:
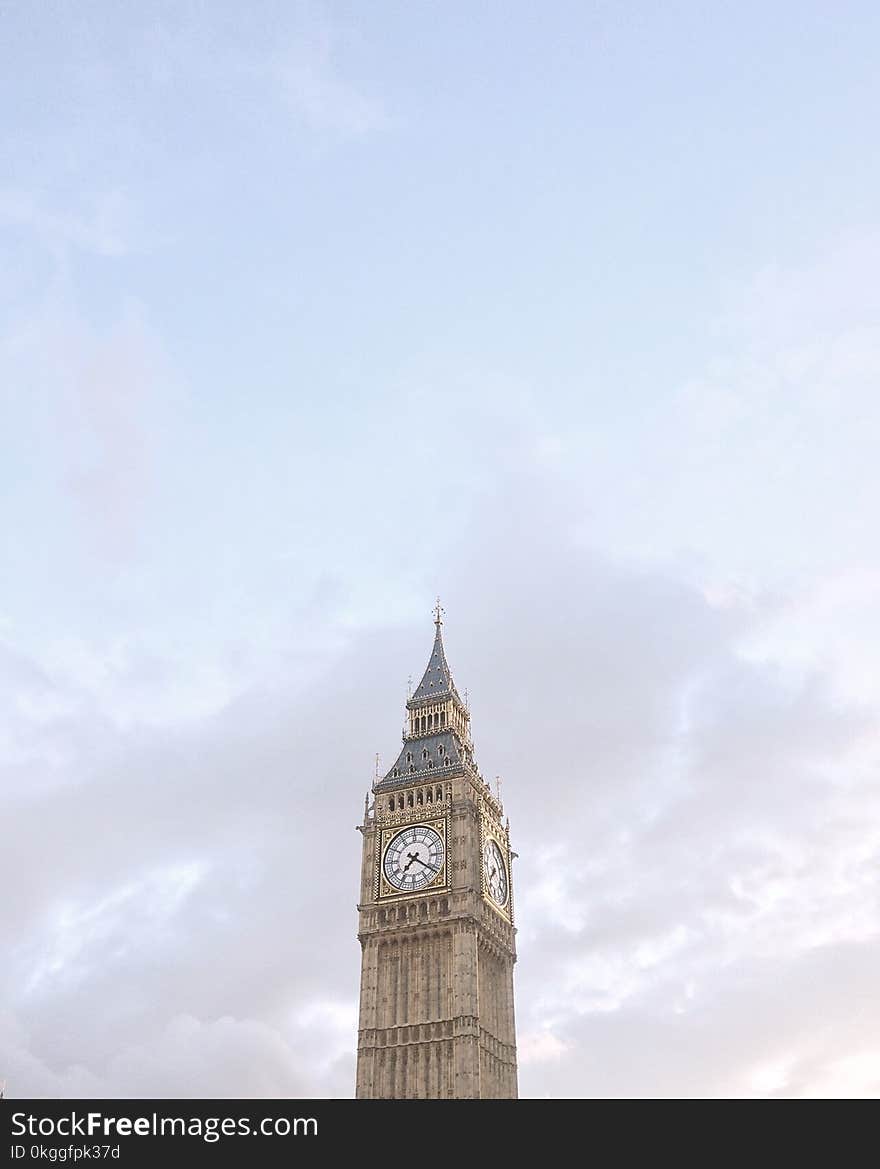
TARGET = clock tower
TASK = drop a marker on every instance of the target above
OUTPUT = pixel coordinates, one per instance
(436, 914)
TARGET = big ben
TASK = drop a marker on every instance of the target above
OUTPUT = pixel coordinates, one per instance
(436, 922)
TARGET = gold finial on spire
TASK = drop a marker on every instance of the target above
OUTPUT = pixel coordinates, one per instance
(438, 609)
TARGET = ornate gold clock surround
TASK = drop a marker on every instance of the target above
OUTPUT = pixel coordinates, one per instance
(383, 890)
(491, 830)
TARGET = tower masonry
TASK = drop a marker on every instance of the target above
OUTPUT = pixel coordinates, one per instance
(436, 922)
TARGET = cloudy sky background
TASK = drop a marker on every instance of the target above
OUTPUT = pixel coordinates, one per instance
(309, 313)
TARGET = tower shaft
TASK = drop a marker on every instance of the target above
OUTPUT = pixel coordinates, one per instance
(436, 915)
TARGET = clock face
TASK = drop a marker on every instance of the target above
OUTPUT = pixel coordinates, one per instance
(495, 872)
(414, 858)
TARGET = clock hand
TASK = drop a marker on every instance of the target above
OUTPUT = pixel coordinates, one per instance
(413, 856)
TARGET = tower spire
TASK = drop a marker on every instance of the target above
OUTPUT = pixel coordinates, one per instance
(437, 679)
(436, 734)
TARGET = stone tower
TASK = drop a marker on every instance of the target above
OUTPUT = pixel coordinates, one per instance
(436, 914)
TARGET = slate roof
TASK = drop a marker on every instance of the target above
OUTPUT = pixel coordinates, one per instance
(428, 757)
(437, 681)
(439, 752)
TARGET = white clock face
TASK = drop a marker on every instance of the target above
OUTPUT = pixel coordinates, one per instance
(495, 872)
(414, 858)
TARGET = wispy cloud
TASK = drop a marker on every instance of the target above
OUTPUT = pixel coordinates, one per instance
(311, 81)
(104, 232)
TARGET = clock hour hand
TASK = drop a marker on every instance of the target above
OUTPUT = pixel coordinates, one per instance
(414, 858)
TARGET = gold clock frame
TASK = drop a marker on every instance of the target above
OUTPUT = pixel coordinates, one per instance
(490, 831)
(383, 890)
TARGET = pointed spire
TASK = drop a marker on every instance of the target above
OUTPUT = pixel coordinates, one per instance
(437, 737)
(437, 679)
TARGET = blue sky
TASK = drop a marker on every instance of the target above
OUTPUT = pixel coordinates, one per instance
(569, 313)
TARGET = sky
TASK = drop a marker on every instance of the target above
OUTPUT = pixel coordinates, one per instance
(567, 313)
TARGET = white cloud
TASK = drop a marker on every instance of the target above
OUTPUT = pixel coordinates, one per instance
(688, 743)
(683, 883)
(310, 83)
(105, 231)
(539, 1047)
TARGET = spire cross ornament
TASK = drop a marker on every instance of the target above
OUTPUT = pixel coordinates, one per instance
(438, 609)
